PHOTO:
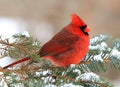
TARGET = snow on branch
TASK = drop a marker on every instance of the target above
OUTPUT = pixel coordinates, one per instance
(101, 52)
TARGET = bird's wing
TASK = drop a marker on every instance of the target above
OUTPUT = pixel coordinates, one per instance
(58, 44)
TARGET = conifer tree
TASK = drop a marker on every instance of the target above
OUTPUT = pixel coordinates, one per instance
(103, 52)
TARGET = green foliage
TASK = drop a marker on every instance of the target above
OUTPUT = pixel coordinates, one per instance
(21, 47)
(101, 54)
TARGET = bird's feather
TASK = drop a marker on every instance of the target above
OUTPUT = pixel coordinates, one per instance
(59, 43)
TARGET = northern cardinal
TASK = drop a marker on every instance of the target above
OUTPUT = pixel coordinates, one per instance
(69, 46)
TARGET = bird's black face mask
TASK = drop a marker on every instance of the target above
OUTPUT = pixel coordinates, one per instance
(83, 29)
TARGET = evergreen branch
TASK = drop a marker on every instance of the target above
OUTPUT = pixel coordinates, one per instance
(81, 81)
(21, 47)
(99, 66)
(35, 69)
(18, 71)
(71, 79)
(106, 60)
(99, 56)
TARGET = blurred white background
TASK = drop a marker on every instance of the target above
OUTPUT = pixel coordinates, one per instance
(43, 18)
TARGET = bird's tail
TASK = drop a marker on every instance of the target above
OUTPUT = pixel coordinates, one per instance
(17, 62)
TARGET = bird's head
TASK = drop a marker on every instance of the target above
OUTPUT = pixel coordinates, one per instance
(78, 22)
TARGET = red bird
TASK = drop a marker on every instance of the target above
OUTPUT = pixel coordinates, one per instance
(69, 46)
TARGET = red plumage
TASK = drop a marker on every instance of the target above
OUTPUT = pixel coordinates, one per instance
(69, 46)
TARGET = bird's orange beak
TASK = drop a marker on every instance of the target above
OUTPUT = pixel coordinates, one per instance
(87, 29)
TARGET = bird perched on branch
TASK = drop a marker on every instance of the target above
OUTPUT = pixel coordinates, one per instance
(69, 46)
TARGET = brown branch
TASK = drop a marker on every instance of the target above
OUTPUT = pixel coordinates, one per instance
(82, 81)
(106, 60)
(21, 70)
(21, 46)
(4, 78)
(71, 79)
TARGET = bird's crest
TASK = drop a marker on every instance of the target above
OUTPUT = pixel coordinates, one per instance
(77, 21)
